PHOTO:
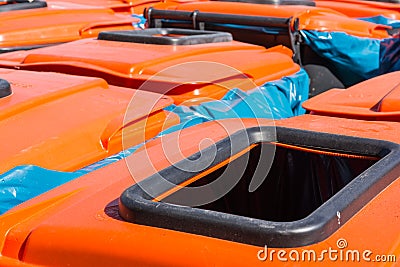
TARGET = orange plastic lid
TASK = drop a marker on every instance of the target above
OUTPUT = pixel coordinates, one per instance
(76, 120)
(78, 223)
(310, 18)
(374, 99)
(131, 64)
(357, 9)
(118, 6)
(25, 29)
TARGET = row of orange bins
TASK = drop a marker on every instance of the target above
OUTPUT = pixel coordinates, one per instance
(28, 24)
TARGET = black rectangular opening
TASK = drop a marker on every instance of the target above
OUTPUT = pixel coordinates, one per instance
(298, 183)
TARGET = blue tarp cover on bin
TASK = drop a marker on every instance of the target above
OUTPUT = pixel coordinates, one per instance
(390, 55)
(355, 58)
(275, 100)
(394, 23)
(25, 182)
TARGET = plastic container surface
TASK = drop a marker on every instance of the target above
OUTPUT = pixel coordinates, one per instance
(374, 99)
(118, 6)
(64, 122)
(357, 9)
(52, 24)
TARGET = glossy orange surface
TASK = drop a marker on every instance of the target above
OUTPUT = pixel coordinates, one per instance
(57, 24)
(310, 18)
(65, 122)
(213, 69)
(78, 224)
(374, 99)
(357, 8)
(118, 6)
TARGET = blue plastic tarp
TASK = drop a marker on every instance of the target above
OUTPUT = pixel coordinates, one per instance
(140, 24)
(274, 100)
(389, 55)
(28, 181)
(355, 58)
(394, 23)
(25, 182)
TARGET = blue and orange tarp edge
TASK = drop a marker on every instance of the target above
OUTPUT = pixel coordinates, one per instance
(274, 100)
(394, 23)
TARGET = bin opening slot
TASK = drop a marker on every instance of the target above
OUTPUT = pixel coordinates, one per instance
(167, 36)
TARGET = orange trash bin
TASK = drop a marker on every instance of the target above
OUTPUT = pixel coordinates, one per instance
(198, 65)
(276, 229)
(36, 24)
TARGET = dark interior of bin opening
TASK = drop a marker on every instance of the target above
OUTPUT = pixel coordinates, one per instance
(297, 184)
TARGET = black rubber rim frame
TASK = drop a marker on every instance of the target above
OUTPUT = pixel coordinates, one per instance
(136, 206)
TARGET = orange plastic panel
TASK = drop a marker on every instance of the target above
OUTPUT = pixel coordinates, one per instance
(66, 122)
(375, 99)
(78, 224)
(310, 18)
(24, 29)
(118, 6)
(131, 64)
(357, 9)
